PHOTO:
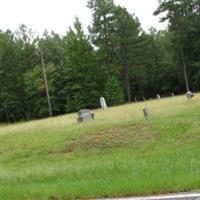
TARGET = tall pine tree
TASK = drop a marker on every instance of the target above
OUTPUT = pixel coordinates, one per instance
(113, 92)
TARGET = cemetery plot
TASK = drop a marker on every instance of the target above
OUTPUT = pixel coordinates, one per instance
(118, 154)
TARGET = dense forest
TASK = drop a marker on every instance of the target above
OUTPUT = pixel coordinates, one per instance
(117, 59)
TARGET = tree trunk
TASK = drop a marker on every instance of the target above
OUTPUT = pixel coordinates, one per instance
(185, 70)
(127, 78)
(128, 92)
(126, 72)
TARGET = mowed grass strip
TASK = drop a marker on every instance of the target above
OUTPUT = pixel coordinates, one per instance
(118, 154)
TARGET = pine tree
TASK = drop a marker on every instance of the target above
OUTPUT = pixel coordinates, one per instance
(183, 17)
(113, 92)
(83, 76)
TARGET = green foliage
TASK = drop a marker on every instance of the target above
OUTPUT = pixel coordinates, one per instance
(183, 17)
(35, 101)
(113, 92)
(11, 89)
(82, 88)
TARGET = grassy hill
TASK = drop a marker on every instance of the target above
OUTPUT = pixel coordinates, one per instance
(118, 154)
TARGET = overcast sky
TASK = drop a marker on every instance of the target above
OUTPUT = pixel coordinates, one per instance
(58, 15)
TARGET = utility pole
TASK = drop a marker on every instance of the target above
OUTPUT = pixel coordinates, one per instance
(46, 84)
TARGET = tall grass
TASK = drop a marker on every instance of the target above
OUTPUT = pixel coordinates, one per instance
(118, 154)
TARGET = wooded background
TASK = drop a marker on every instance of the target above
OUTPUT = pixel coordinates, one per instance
(117, 60)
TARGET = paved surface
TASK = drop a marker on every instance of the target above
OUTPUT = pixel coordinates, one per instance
(179, 196)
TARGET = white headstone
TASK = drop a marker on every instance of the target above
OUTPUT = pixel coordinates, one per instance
(103, 103)
(189, 95)
(158, 96)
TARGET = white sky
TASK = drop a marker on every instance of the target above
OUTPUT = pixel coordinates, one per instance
(58, 15)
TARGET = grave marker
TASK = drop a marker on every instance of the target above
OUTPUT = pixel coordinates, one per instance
(103, 103)
(85, 115)
(145, 112)
(158, 96)
(189, 95)
(135, 99)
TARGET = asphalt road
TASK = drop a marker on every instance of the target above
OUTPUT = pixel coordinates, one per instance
(179, 196)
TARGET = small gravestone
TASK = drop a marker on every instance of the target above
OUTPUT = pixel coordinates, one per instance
(103, 103)
(158, 96)
(145, 112)
(172, 94)
(85, 115)
(189, 95)
(135, 99)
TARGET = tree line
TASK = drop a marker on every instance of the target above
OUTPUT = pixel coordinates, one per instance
(117, 60)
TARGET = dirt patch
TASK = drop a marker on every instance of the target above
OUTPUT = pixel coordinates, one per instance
(190, 136)
(112, 138)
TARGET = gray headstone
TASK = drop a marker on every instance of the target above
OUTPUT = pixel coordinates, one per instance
(189, 95)
(145, 112)
(158, 96)
(85, 115)
(172, 94)
(135, 99)
(103, 103)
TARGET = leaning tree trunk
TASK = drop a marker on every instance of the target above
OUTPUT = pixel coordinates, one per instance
(185, 70)
(46, 85)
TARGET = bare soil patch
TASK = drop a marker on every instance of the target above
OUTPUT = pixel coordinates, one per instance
(112, 138)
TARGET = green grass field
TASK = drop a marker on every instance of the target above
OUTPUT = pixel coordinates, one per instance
(118, 154)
